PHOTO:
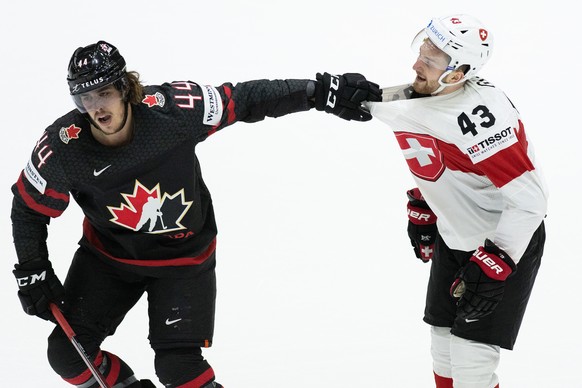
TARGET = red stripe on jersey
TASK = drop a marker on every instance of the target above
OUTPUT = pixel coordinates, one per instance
(510, 163)
(443, 382)
(199, 381)
(55, 194)
(34, 205)
(89, 233)
(501, 168)
(455, 160)
(230, 105)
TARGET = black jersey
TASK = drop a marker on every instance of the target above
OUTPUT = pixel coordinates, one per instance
(146, 206)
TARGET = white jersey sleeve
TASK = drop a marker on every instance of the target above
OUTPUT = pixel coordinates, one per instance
(471, 159)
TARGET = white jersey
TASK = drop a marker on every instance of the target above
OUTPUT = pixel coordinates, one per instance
(471, 159)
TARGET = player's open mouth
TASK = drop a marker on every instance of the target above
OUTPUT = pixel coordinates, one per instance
(104, 119)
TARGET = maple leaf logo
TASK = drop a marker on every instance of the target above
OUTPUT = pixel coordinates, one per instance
(66, 134)
(149, 208)
(154, 99)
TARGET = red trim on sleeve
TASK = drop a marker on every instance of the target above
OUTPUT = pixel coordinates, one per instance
(34, 205)
(56, 195)
(230, 106)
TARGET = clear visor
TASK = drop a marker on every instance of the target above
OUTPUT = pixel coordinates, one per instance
(430, 54)
(95, 100)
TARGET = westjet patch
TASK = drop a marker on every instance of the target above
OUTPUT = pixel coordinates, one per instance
(485, 146)
(34, 177)
(212, 105)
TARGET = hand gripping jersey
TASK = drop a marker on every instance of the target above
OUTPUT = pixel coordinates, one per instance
(470, 157)
(146, 206)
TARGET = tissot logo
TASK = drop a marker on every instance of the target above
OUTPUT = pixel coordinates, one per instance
(490, 140)
(487, 146)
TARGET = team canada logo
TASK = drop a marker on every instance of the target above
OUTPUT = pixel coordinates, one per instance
(422, 154)
(71, 132)
(154, 99)
(151, 211)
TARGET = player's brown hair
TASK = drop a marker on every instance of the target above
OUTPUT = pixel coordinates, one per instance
(135, 93)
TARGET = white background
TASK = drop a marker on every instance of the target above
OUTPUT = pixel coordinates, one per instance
(318, 286)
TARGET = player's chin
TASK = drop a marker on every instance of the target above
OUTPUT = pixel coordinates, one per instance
(419, 85)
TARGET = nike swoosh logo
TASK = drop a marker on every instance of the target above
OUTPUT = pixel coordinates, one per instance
(168, 322)
(97, 173)
(471, 320)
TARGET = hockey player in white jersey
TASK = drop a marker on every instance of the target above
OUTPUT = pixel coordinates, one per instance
(479, 206)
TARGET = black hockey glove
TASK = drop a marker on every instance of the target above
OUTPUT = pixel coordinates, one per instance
(38, 286)
(342, 95)
(422, 229)
(480, 284)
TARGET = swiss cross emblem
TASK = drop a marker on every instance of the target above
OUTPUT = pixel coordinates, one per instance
(483, 34)
(69, 133)
(422, 154)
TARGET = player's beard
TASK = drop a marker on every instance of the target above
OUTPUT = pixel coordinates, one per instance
(423, 86)
(96, 125)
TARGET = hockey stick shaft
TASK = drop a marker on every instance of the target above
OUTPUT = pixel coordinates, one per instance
(73, 338)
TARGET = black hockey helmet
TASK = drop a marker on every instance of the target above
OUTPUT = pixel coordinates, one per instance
(94, 66)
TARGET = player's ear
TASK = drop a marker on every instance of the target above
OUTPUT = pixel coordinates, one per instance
(456, 76)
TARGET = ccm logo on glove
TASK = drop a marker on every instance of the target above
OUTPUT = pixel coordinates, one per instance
(30, 280)
(333, 85)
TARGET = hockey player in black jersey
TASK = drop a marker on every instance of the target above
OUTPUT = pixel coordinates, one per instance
(126, 156)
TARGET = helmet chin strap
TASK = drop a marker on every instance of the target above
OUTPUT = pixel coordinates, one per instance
(444, 85)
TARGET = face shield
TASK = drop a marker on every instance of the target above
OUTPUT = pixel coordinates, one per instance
(429, 53)
(94, 100)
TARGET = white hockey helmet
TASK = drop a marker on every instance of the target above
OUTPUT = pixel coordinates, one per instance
(463, 38)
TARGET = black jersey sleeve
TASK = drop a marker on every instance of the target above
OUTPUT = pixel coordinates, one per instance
(40, 193)
(255, 100)
(207, 109)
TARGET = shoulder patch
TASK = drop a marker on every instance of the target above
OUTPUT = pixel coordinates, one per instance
(212, 105)
(489, 144)
(34, 177)
(69, 133)
(156, 99)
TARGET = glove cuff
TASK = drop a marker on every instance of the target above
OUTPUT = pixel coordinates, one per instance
(493, 261)
(416, 199)
(320, 98)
